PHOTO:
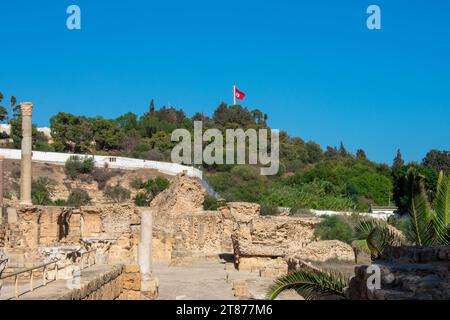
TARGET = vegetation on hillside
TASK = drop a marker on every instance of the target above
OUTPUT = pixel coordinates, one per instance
(309, 177)
(427, 224)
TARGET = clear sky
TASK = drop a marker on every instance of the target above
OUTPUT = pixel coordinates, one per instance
(313, 66)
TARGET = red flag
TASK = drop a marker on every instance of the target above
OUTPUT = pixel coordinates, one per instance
(239, 94)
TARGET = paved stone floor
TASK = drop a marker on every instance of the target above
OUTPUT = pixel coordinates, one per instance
(54, 289)
(208, 280)
(200, 280)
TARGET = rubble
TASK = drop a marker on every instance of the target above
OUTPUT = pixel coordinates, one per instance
(418, 273)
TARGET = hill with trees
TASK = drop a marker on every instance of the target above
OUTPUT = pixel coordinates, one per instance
(309, 177)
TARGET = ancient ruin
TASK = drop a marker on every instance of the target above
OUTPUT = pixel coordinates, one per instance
(110, 251)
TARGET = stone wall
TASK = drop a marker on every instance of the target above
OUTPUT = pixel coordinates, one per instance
(406, 273)
(112, 229)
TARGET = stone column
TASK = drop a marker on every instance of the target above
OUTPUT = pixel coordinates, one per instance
(25, 173)
(149, 284)
(1, 182)
(145, 245)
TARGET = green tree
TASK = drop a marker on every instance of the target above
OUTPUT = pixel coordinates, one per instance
(161, 141)
(428, 224)
(334, 228)
(437, 160)
(361, 155)
(75, 134)
(127, 122)
(315, 153)
(3, 111)
(398, 160)
(106, 134)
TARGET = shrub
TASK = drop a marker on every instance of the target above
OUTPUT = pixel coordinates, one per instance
(75, 166)
(150, 189)
(334, 228)
(60, 202)
(78, 198)
(268, 210)
(102, 176)
(137, 184)
(142, 199)
(15, 173)
(210, 203)
(41, 190)
(117, 193)
(162, 184)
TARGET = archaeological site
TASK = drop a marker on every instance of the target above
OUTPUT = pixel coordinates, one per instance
(174, 249)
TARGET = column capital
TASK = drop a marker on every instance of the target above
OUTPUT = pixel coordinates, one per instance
(27, 108)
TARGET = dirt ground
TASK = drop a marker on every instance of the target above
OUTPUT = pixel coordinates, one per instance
(63, 185)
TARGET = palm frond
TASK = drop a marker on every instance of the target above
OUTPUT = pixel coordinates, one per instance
(310, 284)
(421, 228)
(441, 218)
(378, 235)
(420, 224)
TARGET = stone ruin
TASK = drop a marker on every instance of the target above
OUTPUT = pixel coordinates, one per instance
(176, 229)
(183, 231)
(407, 273)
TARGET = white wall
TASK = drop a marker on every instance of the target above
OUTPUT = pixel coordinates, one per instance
(382, 216)
(120, 163)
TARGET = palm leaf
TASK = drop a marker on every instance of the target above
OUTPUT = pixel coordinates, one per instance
(441, 218)
(421, 228)
(420, 224)
(310, 284)
(378, 235)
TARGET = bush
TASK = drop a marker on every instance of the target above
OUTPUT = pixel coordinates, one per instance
(41, 190)
(60, 202)
(75, 166)
(102, 176)
(142, 199)
(137, 184)
(78, 198)
(117, 193)
(334, 228)
(162, 184)
(150, 189)
(210, 203)
(268, 210)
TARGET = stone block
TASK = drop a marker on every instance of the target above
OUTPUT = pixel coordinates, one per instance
(132, 268)
(131, 281)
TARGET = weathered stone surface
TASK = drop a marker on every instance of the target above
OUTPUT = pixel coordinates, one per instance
(272, 236)
(406, 273)
(131, 281)
(240, 212)
(184, 195)
(326, 250)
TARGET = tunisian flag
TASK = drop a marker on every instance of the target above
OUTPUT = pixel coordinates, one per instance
(238, 94)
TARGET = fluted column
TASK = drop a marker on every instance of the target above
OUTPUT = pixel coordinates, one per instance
(25, 173)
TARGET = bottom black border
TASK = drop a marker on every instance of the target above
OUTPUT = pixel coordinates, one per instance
(184, 309)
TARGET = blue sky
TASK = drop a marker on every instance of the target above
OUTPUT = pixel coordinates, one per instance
(313, 66)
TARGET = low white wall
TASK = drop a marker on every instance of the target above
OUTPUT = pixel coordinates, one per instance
(119, 163)
(382, 216)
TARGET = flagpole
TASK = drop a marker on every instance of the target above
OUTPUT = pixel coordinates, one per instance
(234, 94)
